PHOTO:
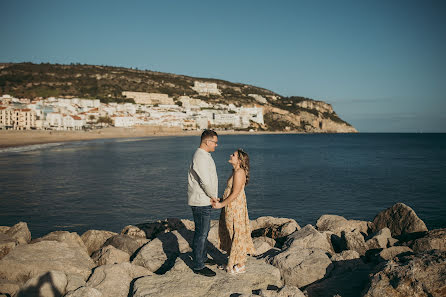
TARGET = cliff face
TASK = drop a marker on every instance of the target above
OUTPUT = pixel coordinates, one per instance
(107, 84)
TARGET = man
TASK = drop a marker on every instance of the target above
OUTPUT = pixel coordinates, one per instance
(202, 189)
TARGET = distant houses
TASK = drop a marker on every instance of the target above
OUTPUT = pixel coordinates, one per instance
(149, 109)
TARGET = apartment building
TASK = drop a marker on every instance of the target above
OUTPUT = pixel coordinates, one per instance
(17, 119)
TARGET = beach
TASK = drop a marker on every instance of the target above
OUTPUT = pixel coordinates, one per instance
(14, 138)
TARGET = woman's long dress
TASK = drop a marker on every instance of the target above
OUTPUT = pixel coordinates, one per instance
(234, 231)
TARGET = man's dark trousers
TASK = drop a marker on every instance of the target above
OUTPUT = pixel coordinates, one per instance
(202, 219)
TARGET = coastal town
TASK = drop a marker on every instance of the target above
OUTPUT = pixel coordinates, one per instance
(148, 109)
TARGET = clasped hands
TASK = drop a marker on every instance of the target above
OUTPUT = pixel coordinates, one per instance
(216, 203)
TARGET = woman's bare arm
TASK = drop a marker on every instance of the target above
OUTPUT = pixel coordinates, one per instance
(238, 182)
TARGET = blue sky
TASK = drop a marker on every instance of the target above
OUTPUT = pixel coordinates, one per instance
(380, 63)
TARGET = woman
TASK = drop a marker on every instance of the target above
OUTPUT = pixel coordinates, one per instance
(234, 231)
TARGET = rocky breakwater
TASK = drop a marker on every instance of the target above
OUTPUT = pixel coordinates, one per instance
(393, 255)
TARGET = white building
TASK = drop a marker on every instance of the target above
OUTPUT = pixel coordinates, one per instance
(205, 88)
(123, 121)
(148, 98)
(54, 120)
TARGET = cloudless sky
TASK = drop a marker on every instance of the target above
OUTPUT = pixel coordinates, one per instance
(380, 63)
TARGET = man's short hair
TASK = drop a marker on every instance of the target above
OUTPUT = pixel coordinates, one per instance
(208, 134)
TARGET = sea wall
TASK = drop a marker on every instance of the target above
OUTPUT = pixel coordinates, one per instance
(393, 255)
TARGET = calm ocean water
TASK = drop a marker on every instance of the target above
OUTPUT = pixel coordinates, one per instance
(108, 184)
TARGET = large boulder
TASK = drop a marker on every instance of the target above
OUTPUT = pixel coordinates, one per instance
(433, 240)
(31, 260)
(285, 291)
(48, 284)
(133, 231)
(420, 275)
(307, 238)
(400, 219)
(20, 232)
(337, 224)
(114, 280)
(153, 229)
(126, 243)
(354, 241)
(301, 267)
(273, 227)
(110, 255)
(347, 279)
(160, 254)
(71, 238)
(261, 246)
(85, 292)
(380, 240)
(95, 239)
(391, 252)
(345, 256)
(9, 288)
(7, 243)
(181, 281)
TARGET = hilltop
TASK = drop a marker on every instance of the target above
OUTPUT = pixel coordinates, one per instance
(107, 83)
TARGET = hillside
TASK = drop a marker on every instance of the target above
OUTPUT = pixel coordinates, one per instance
(107, 84)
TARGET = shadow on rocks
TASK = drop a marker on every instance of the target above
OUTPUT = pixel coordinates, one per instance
(35, 289)
(172, 249)
(347, 279)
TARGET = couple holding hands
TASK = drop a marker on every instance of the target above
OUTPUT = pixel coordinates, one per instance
(234, 232)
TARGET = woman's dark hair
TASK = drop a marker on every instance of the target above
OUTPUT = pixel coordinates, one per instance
(244, 163)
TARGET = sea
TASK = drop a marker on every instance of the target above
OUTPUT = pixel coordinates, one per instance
(109, 184)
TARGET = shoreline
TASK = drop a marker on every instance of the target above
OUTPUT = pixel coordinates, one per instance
(17, 138)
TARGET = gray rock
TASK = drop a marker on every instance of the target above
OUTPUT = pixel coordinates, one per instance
(95, 239)
(30, 260)
(392, 241)
(153, 229)
(268, 240)
(20, 232)
(285, 291)
(307, 238)
(347, 279)
(126, 243)
(48, 284)
(391, 252)
(354, 241)
(71, 238)
(337, 224)
(74, 282)
(400, 219)
(380, 240)
(435, 239)
(273, 227)
(301, 267)
(185, 283)
(114, 280)
(110, 255)
(160, 254)
(3, 229)
(85, 292)
(420, 275)
(345, 255)
(261, 245)
(7, 243)
(9, 288)
(133, 231)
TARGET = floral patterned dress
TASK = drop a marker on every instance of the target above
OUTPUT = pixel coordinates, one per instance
(234, 231)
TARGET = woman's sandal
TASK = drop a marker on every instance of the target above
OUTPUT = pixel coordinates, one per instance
(222, 266)
(237, 270)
